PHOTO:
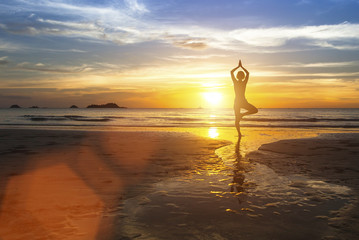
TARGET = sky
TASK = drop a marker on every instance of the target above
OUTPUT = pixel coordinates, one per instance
(178, 53)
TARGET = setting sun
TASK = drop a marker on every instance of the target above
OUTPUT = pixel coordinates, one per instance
(213, 98)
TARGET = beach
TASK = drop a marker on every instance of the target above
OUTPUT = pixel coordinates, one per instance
(179, 120)
(331, 159)
(178, 184)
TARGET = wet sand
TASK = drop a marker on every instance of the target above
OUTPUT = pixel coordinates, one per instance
(311, 163)
(73, 184)
(175, 185)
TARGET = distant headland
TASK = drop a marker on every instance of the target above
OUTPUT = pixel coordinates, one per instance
(107, 105)
(15, 106)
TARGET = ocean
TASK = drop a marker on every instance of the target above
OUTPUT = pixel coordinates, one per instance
(128, 117)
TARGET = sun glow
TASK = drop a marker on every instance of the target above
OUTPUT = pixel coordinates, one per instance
(213, 98)
(212, 132)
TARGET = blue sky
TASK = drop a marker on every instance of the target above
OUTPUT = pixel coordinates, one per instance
(152, 53)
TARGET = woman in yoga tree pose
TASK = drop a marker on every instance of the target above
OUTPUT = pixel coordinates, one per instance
(240, 101)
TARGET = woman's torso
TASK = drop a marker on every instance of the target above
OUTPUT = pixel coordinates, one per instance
(239, 90)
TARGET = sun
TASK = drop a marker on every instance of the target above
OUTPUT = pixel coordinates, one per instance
(213, 98)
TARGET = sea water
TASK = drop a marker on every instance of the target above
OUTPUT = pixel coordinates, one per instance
(136, 117)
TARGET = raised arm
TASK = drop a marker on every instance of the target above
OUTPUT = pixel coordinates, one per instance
(234, 69)
(247, 73)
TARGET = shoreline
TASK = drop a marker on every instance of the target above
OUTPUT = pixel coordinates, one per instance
(326, 157)
(71, 184)
(168, 184)
(324, 168)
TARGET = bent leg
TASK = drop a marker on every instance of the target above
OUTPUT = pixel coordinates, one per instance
(250, 109)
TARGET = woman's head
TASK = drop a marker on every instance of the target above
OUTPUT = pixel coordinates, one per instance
(240, 75)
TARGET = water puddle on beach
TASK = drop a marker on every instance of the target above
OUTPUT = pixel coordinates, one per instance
(234, 198)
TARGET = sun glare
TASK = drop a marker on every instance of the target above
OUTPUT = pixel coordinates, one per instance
(212, 132)
(213, 98)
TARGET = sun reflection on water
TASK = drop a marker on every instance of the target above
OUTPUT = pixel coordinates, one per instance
(212, 132)
(212, 119)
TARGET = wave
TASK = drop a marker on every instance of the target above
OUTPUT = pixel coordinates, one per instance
(186, 125)
(183, 119)
(190, 119)
(41, 118)
(178, 119)
(301, 119)
(187, 121)
(114, 117)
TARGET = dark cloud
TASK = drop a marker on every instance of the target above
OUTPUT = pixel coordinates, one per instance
(3, 62)
(15, 91)
(88, 89)
(14, 97)
(82, 97)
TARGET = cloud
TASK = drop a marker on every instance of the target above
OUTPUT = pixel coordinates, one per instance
(135, 6)
(86, 90)
(3, 60)
(71, 25)
(338, 45)
(127, 23)
(14, 97)
(303, 2)
(86, 20)
(62, 50)
(40, 67)
(195, 44)
(278, 36)
(9, 47)
(321, 64)
(193, 57)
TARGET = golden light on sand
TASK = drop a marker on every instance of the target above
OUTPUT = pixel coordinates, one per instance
(213, 98)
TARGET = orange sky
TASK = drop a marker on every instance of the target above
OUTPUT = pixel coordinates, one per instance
(145, 54)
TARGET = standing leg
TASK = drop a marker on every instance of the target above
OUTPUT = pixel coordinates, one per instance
(236, 123)
(238, 115)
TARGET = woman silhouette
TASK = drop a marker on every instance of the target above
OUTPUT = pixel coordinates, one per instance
(240, 101)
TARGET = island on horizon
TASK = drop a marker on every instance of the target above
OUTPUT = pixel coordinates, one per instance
(15, 106)
(107, 105)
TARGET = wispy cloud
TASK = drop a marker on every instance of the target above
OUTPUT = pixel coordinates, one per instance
(195, 44)
(40, 67)
(295, 75)
(14, 97)
(89, 45)
(278, 36)
(3, 60)
(201, 56)
(72, 50)
(135, 6)
(321, 64)
(124, 24)
(8, 46)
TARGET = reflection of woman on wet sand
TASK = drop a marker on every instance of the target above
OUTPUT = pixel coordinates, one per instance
(240, 101)
(238, 176)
